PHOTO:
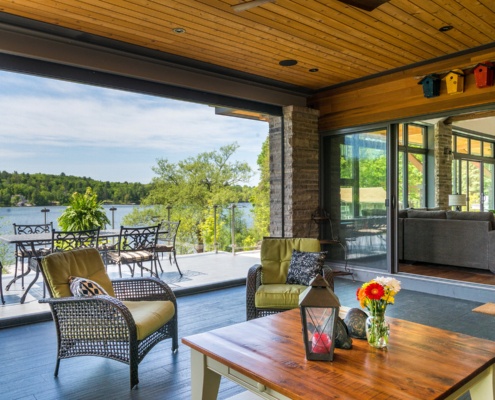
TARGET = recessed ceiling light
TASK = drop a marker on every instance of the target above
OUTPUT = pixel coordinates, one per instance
(445, 28)
(288, 63)
(313, 70)
(179, 30)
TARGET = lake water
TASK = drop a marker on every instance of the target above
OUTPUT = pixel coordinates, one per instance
(34, 215)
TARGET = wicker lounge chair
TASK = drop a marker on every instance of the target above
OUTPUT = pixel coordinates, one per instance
(266, 289)
(124, 325)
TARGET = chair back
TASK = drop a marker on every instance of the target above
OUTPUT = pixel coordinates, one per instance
(169, 229)
(29, 229)
(71, 240)
(138, 238)
(276, 254)
(82, 263)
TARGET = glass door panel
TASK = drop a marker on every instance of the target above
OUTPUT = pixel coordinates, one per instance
(355, 173)
(488, 203)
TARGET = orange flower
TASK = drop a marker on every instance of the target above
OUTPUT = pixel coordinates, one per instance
(374, 291)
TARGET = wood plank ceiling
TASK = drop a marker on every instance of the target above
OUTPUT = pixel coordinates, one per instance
(340, 42)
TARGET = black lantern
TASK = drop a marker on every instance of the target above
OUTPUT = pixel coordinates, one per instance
(319, 312)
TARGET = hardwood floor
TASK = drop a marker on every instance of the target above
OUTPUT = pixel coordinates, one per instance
(449, 272)
(27, 353)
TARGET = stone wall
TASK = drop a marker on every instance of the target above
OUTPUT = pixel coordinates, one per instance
(443, 164)
(298, 182)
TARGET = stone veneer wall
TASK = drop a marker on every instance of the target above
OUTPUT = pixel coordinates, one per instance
(443, 164)
(298, 183)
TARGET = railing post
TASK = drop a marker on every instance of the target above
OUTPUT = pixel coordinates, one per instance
(45, 210)
(215, 243)
(232, 228)
(113, 209)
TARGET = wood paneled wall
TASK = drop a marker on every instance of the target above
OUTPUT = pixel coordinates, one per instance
(398, 95)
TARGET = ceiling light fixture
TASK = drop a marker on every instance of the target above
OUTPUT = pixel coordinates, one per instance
(178, 30)
(313, 70)
(288, 63)
(445, 28)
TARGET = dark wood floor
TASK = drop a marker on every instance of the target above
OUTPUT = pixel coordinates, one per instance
(449, 272)
(27, 353)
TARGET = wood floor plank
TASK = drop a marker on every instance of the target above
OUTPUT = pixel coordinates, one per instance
(27, 353)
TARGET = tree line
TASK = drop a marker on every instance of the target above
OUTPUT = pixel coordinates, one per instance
(23, 189)
(17, 189)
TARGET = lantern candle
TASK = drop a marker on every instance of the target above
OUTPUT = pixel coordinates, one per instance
(321, 343)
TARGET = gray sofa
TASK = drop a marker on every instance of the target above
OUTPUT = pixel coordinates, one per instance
(464, 239)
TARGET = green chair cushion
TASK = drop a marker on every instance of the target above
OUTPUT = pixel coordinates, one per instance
(149, 316)
(277, 253)
(83, 263)
(278, 296)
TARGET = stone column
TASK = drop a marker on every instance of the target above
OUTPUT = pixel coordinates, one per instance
(443, 164)
(298, 182)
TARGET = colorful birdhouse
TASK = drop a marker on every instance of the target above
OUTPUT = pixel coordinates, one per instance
(483, 74)
(455, 81)
(431, 85)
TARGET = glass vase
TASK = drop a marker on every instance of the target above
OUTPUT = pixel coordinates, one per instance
(377, 330)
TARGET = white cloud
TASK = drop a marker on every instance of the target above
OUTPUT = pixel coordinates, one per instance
(55, 116)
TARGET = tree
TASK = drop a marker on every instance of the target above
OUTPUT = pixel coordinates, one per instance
(193, 186)
(84, 212)
(261, 198)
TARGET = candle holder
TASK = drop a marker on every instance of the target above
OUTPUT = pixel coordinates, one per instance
(319, 313)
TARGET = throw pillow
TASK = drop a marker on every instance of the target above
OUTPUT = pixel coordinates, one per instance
(304, 266)
(82, 287)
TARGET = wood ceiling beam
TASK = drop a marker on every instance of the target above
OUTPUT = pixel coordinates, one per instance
(470, 116)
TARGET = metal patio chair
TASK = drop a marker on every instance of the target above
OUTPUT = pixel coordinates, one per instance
(166, 242)
(26, 252)
(136, 245)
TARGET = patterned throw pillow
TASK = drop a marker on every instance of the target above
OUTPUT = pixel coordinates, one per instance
(82, 287)
(304, 266)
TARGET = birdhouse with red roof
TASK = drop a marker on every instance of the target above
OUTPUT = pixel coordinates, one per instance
(455, 81)
(431, 85)
(483, 74)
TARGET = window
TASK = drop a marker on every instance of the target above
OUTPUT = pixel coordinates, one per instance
(412, 165)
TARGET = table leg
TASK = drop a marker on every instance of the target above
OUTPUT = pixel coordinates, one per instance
(484, 388)
(1, 290)
(204, 382)
(36, 276)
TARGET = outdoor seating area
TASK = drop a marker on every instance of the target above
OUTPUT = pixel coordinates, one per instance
(163, 373)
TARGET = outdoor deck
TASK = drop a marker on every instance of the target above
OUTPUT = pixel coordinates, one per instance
(201, 272)
(27, 353)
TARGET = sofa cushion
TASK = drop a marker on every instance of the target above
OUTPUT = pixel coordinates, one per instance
(277, 253)
(426, 214)
(472, 216)
(304, 266)
(278, 296)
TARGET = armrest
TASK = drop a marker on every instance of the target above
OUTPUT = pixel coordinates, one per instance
(491, 251)
(142, 289)
(84, 317)
(253, 281)
(328, 275)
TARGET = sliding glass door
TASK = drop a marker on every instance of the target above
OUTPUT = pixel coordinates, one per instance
(355, 193)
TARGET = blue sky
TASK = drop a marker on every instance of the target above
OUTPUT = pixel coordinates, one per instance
(53, 126)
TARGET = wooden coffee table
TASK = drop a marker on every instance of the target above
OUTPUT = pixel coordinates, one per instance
(267, 357)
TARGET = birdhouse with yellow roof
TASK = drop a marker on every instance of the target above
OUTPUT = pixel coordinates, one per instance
(455, 81)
